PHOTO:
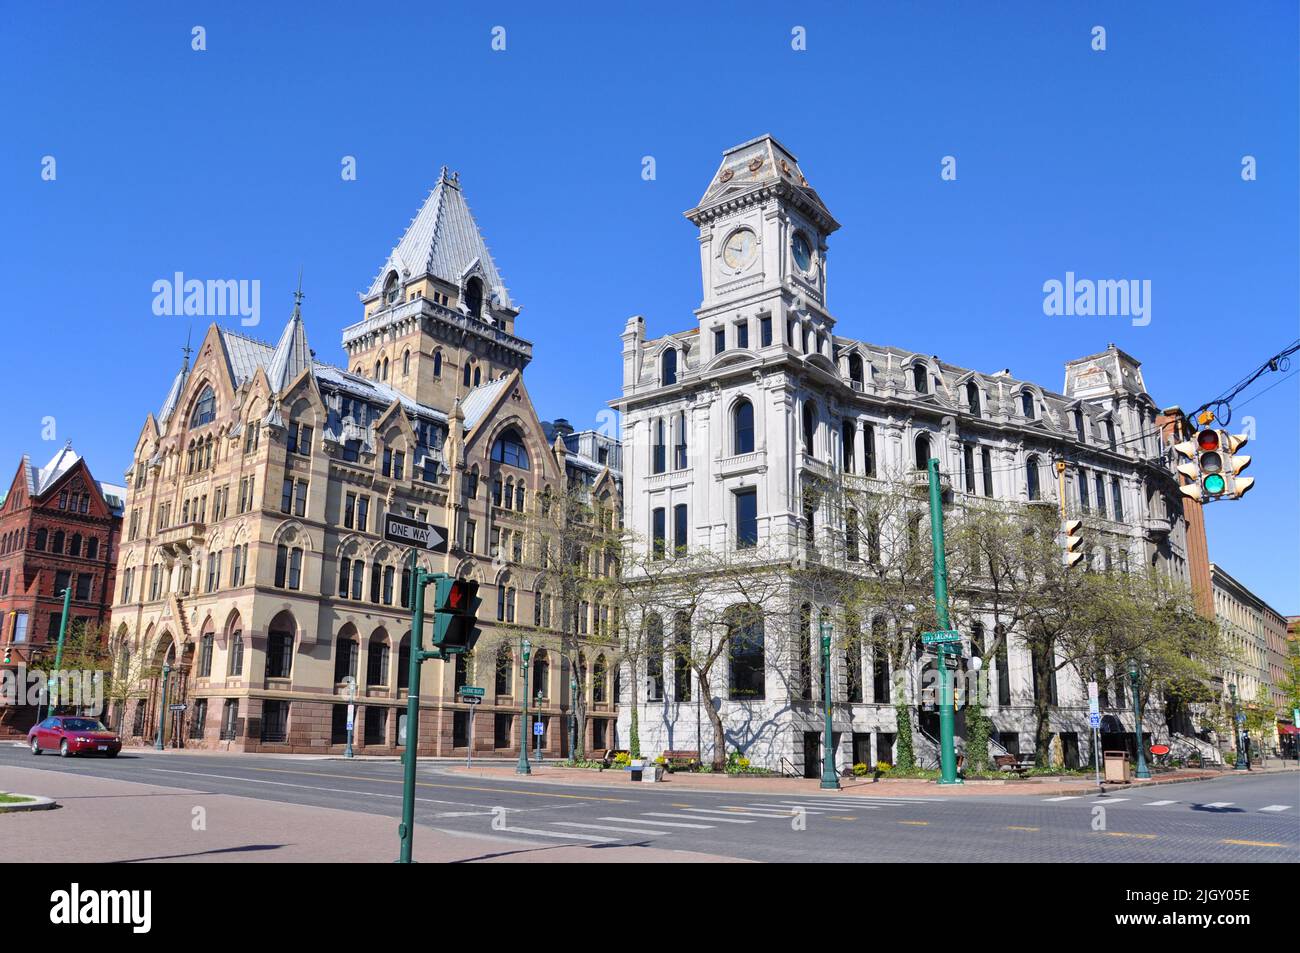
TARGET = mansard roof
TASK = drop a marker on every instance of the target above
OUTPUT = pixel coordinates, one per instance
(759, 164)
(444, 241)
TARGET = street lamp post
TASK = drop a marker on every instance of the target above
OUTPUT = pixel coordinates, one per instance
(351, 683)
(539, 721)
(1142, 772)
(51, 686)
(162, 710)
(573, 718)
(522, 767)
(947, 694)
(830, 782)
(1242, 764)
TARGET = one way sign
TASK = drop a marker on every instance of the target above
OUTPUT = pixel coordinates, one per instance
(409, 532)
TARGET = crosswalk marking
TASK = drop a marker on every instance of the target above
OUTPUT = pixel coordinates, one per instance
(739, 812)
(1220, 804)
(1159, 803)
(607, 827)
(1110, 800)
(720, 820)
(562, 834)
(787, 808)
(814, 806)
(638, 820)
(1064, 797)
(1277, 807)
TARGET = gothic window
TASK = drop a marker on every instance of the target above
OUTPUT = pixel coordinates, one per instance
(406, 363)
(467, 373)
(509, 449)
(437, 363)
(205, 411)
(392, 288)
(474, 297)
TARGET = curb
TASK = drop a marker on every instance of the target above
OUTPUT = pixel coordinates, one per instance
(37, 803)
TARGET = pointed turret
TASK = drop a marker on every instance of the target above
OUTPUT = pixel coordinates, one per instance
(292, 356)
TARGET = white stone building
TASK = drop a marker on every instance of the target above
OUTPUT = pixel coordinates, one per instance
(728, 420)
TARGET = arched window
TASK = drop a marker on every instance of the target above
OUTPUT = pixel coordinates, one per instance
(41, 535)
(503, 684)
(468, 371)
(599, 680)
(1079, 431)
(279, 646)
(920, 378)
(385, 370)
(1027, 408)
(345, 654)
(205, 411)
(74, 545)
(437, 363)
(1031, 476)
(392, 288)
(922, 447)
(474, 297)
(509, 449)
(541, 674)
(477, 372)
(57, 546)
(377, 659)
(973, 398)
(745, 653)
(742, 427)
(235, 657)
(809, 427)
(668, 370)
(406, 363)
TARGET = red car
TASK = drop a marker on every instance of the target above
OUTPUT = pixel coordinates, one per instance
(73, 734)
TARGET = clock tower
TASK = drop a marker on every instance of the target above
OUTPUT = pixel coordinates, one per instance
(762, 238)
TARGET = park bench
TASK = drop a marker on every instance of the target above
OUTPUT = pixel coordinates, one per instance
(681, 760)
(1008, 762)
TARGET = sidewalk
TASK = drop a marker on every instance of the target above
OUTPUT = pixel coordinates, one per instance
(684, 781)
(102, 820)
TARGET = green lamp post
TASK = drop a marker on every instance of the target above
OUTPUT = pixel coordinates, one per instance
(830, 782)
(1242, 764)
(522, 767)
(162, 710)
(1142, 772)
(573, 718)
(947, 703)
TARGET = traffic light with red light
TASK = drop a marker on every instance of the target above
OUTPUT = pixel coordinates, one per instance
(455, 614)
(1211, 467)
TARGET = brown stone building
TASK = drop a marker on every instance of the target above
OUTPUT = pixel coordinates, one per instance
(254, 561)
(59, 528)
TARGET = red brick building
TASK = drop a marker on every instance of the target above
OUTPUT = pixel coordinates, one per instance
(59, 527)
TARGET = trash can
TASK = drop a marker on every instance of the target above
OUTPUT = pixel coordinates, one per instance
(637, 768)
(1116, 766)
(652, 773)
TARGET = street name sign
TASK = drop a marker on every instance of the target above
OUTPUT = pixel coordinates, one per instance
(408, 532)
(473, 690)
(471, 699)
(178, 707)
(939, 638)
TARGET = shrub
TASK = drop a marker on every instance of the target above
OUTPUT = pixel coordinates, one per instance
(860, 770)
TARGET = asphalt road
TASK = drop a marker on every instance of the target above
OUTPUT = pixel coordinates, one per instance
(1229, 819)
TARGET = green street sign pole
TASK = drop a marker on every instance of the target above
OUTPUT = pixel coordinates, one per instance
(1142, 772)
(406, 829)
(52, 681)
(947, 755)
(830, 782)
(162, 710)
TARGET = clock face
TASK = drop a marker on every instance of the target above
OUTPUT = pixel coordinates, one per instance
(801, 250)
(738, 250)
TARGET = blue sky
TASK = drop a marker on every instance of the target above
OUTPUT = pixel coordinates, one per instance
(226, 164)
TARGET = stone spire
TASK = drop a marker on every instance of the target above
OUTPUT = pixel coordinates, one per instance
(292, 355)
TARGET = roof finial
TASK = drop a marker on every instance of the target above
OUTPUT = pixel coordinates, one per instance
(187, 350)
(297, 295)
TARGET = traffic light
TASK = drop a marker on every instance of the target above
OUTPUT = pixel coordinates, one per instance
(455, 614)
(1211, 468)
(1071, 541)
(9, 650)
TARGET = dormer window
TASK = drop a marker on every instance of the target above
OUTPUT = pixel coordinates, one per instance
(669, 372)
(474, 297)
(392, 289)
(973, 398)
(1027, 405)
(920, 380)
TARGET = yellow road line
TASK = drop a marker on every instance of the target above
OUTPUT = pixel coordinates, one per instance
(1022, 828)
(1125, 834)
(841, 817)
(1252, 843)
(456, 787)
(916, 823)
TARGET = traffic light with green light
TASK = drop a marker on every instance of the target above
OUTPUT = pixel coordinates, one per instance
(1211, 467)
(455, 614)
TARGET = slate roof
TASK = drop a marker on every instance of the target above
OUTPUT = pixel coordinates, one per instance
(477, 401)
(443, 240)
(761, 163)
(292, 356)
